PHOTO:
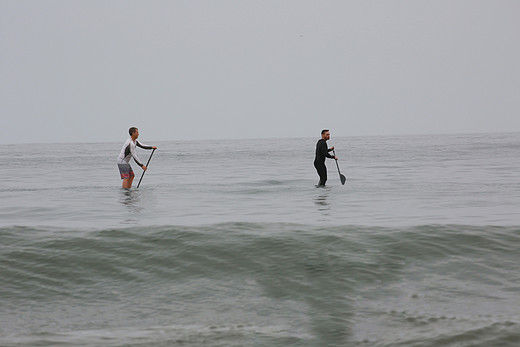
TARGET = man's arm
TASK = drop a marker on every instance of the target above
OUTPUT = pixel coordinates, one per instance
(325, 151)
(143, 146)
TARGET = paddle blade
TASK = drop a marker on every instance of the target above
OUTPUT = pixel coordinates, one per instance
(343, 179)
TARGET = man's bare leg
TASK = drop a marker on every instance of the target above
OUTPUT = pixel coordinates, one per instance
(127, 183)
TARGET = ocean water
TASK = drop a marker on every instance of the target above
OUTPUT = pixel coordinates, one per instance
(229, 243)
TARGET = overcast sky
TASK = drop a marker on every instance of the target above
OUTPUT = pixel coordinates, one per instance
(85, 71)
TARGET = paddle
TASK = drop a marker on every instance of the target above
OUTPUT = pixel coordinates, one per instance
(146, 167)
(342, 178)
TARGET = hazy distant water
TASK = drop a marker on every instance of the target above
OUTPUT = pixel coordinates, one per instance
(228, 243)
(409, 180)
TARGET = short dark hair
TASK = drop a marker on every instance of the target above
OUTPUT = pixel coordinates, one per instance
(324, 131)
(132, 130)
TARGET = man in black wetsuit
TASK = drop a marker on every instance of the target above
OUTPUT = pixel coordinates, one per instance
(322, 152)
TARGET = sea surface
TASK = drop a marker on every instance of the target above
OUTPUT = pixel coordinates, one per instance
(229, 243)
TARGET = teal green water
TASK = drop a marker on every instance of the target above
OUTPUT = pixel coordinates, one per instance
(261, 284)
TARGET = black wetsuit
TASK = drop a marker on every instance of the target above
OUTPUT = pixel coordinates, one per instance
(322, 152)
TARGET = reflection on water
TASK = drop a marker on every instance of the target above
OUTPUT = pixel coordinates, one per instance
(132, 201)
(322, 200)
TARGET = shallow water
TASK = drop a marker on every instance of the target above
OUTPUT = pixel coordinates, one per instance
(228, 243)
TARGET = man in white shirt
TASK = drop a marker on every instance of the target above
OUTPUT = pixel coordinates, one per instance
(128, 152)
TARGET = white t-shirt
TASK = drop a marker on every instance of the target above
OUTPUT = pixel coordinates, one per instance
(128, 151)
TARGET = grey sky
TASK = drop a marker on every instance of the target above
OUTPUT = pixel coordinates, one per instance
(85, 71)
